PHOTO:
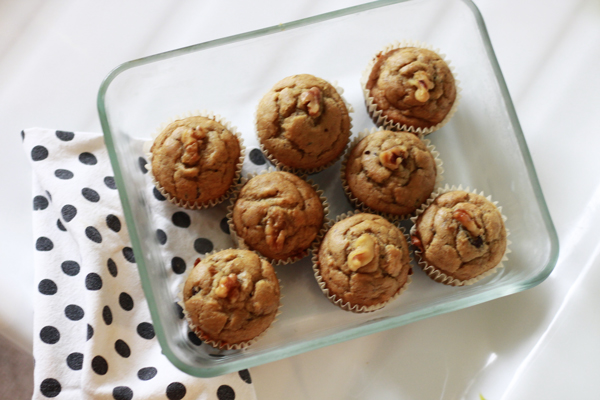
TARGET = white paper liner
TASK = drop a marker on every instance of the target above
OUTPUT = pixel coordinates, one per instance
(186, 204)
(436, 274)
(309, 171)
(240, 241)
(376, 114)
(356, 203)
(217, 343)
(347, 306)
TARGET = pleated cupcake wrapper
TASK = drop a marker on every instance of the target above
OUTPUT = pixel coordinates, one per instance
(238, 173)
(356, 203)
(203, 336)
(310, 171)
(239, 241)
(376, 114)
(347, 306)
(435, 273)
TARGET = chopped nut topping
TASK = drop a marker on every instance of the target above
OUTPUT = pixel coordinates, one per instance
(275, 234)
(228, 287)
(312, 100)
(392, 158)
(363, 253)
(424, 85)
(190, 138)
(467, 221)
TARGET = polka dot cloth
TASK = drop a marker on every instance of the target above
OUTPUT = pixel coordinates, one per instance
(94, 337)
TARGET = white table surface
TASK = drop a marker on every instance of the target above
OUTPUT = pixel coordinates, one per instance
(539, 344)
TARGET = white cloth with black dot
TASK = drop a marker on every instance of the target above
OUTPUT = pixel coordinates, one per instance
(94, 337)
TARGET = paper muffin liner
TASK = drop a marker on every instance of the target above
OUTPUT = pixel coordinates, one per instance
(217, 343)
(239, 241)
(347, 306)
(357, 204)
(435, 273)
(300, 171)
(187, 204)
(376, 114)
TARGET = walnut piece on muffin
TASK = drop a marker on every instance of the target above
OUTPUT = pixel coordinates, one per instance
(303, 123)
(231, 297)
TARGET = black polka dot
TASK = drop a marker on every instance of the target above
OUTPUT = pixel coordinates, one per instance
(74, 312)
(109, 181)
(90, 195)
(122, 393)
(113, 222)
(60, 225)
(44, 244)
(22, 135)
(194, 338)
(40, 203)
(122, 348)
(158, 195)
(146, 330)
(181, 219)
(225, 392)
(224, 225)
(161, 236)
(65, 136)
(47, 287)
(142, 163)
(126, 301)
(256, 156)
(88, 158)
(93, 281)
(71, 268)
(112, 267)
(50, 387)
(176, 391)
(99, 365)
(39, 153)
(203, 245)
(145, 374)
(179, 311)
(49, 335)
(75, 361)
(107, 315)
(128, 254)
(63, 174)
(245, 375)
(93, 234)
(178, 265)
(90, 332)
(68, 212)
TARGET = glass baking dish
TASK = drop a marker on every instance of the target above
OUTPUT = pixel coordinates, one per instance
(482, 147)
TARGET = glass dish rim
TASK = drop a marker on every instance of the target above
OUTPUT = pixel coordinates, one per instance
(352, 333)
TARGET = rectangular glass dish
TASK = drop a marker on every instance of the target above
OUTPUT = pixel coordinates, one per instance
(482, 147)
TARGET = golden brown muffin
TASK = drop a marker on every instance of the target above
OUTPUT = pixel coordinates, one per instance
(194, 160)
(391, 172)
(364, 260)
(278, 214)
(231, 297)
(303, 123)
(412, 86)
(460, 234)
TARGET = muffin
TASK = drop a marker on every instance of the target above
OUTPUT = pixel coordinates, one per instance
(303, 124)
(195, 161)
(410, 88)
(390, 172)
(231, 297)
(459, 237)
(277, 214)
(363, 262)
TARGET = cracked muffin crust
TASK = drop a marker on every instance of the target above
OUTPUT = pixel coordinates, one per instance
(364, 260)
(390, 172)
(460, 234)
(303, 123)
(195, 160)
(231, 297)
(412, 86)
(278, 214)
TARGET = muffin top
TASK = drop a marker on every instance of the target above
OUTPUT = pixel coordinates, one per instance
(391, 172)
(303, 122)
(412, 86)
(278, 214)
(461, 234)
(231, 296)
(364, 260)
(195, 159)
